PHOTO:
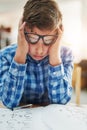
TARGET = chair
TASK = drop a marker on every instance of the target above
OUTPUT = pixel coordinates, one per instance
(76, 81)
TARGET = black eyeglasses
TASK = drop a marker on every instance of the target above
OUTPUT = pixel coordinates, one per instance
(34, 38)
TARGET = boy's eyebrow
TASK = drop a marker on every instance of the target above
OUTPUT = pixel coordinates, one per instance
(56, 32)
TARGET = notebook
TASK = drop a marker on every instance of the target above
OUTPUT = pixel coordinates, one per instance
(51, 117)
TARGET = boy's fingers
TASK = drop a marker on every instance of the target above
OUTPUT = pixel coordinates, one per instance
(21, 29)
(60, 31)
(20, 22)
(22, 26)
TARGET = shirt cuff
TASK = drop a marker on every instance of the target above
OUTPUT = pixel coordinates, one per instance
(56, 71)
(17, 68)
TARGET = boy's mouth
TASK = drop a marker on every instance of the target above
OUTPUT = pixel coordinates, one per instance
(38, 57)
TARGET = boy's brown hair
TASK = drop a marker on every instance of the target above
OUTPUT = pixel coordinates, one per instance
(44, 14)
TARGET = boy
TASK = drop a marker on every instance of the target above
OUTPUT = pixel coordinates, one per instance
(38, 69)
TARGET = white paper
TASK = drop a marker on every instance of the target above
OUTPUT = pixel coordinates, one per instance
(52, 117)
(59, 117)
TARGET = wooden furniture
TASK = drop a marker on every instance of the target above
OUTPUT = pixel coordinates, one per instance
(76, 82)
(83, 65)
(5, 36)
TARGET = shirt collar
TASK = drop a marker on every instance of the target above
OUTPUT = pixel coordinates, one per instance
(43, 61)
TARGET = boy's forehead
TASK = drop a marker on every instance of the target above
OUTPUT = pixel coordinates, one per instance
(41, 31)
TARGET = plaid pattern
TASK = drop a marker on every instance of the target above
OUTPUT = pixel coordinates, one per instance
(36, 81)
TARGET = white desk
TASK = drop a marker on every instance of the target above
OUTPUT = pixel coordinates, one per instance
(52, 117)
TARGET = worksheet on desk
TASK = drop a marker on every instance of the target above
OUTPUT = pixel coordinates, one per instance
(52, 117)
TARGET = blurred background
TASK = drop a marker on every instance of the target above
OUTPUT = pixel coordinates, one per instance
(75, 35)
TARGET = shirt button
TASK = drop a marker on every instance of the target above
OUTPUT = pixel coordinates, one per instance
(15, 70)
(38, 65)
(54, 92)
(55, 73)
(41, 84)
(13, 89)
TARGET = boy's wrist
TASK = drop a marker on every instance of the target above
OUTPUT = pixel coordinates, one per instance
(54, 58)
(54, 61)
(20, 57)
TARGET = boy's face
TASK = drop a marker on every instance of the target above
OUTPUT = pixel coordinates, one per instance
(39, 50)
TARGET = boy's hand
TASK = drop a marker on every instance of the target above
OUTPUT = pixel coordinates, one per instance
(54, 50)
(23, 46)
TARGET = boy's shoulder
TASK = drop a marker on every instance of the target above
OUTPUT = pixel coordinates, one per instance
(65, 49)
(66, 52)
(9, 50)
(7, 53)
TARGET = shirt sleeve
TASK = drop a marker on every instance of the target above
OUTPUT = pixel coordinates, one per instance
(60, 80)
(11, 82)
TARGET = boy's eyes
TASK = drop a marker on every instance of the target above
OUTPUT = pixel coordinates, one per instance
(34, 38)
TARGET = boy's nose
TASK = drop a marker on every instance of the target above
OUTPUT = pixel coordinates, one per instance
(40, 47)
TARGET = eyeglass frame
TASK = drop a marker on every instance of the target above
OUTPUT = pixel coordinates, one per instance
(40, 37)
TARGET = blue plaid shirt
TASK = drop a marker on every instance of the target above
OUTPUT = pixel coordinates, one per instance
(34, 82)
